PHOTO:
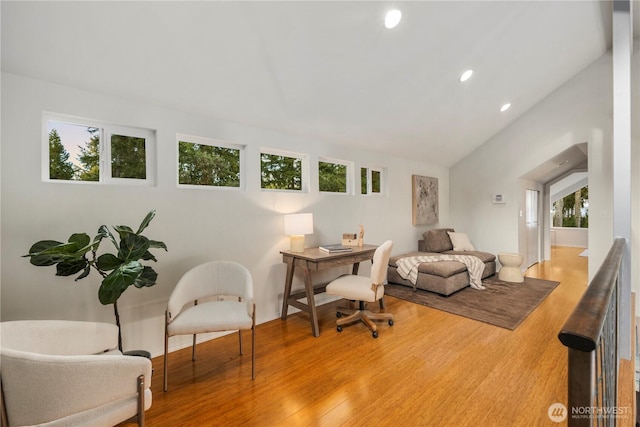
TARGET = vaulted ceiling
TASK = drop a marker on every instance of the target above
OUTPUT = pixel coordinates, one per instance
(328, 70)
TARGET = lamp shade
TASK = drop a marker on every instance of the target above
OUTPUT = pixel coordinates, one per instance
(298, 224)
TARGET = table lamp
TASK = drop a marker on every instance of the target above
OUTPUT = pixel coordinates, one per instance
(296, 226)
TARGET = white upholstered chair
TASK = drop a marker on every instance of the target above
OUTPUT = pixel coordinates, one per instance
(364, 289)
(70, 373)
(212, 297)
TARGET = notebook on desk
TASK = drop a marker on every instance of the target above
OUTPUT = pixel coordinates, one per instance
(335, 248)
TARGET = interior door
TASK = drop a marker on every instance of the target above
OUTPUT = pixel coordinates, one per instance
(533, 229)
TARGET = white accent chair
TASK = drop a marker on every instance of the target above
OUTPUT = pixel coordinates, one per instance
(69, 373)
(364, 289)
(213, 297)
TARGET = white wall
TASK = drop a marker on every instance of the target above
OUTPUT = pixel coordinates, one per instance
(570, 236)
(196, 224)
(579, 111)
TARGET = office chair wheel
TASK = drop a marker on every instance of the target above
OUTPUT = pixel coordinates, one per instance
(339, 328)
(338, 314)
(390, 322)
(375, 334)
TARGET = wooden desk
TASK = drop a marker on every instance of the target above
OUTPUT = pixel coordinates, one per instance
(313, 259)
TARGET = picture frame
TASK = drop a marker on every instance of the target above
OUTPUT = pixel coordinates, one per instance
(424, 190)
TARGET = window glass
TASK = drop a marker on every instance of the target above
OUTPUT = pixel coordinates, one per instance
(370, 180)
(332, 177)
(205, 164)
(572, 210)
(128, 157)
(280, 172)
(74, 151)
(90, 151)
(375, 181)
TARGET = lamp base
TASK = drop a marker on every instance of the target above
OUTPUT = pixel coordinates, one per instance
(297, 243)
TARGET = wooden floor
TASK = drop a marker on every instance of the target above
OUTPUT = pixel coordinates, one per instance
(429, 369)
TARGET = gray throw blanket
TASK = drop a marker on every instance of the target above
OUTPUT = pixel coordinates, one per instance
(408, 267)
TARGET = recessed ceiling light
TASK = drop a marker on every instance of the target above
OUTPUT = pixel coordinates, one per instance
(392, 18)
(466, 76)
(505, 107)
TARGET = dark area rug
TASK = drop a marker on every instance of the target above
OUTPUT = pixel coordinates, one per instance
(501, 304)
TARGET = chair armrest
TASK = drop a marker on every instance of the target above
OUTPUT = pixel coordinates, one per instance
(40, 388)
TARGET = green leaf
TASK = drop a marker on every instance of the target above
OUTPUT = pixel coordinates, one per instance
(41, 246)
(118, 281)
(147, 278)
(108, 262)
(85, 273)
(148, 256)
(68, 268)
(104, 232)
(80, 239)
(156, 244)
(98, 239)
(145, 222)
(133, 247)
(49, 252)
(124, 231)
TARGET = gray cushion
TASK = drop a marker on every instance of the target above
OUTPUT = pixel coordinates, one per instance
(484, 256)
(438, 240)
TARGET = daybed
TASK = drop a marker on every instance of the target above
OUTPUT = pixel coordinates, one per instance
(442, 277)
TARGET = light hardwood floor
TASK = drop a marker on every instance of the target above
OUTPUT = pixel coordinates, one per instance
(429, 369)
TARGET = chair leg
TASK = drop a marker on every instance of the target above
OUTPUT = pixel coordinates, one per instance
(240, 341)
(193, 348)
(253, 343)
(166, 352)
(367, 317)
(141, 401)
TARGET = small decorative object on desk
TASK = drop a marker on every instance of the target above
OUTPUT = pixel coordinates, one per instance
(335, 248)
(361, 238)
(349, 239)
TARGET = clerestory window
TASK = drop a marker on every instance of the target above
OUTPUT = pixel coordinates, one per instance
(84, 150)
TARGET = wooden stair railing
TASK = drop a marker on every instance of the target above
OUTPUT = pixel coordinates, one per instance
(591, 336)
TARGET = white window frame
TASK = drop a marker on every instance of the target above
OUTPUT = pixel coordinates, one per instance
(105, 131)
(370, 170)
(304, 172)
(213, 143)
(350, 172)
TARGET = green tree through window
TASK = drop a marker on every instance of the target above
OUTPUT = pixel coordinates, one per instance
(375, 181)
(332, 177)
(90, 157)
(202, 164)
(87, 150)
(128, 157)
(572, 210)
(372, 175)
(59, 165)
(280, 172)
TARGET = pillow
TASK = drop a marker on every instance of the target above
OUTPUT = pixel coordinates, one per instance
(437, 240)
(460, 241)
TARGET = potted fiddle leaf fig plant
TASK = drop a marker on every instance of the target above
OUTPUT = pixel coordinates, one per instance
(119, 269)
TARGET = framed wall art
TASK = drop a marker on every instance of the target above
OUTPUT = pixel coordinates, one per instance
(424, 200)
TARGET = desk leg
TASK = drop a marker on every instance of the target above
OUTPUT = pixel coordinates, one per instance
(356, 267)
(287, 289)
(311, 302)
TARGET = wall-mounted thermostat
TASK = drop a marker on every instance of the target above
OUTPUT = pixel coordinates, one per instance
(498, 198)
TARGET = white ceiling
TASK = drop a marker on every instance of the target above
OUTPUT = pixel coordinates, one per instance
(327, 70)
